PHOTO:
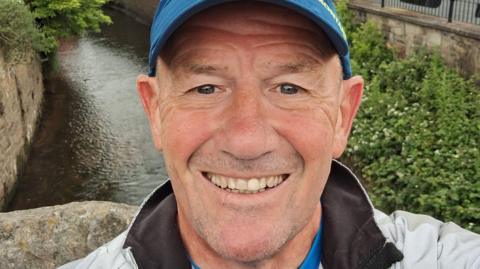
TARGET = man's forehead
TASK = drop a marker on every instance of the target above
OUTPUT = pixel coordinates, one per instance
(278, 27)
(269, 15)
(293, 63)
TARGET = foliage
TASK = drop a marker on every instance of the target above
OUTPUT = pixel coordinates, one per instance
(38, 24)
(368, 50)
(18, 34)
(63, 18)
(416, 138)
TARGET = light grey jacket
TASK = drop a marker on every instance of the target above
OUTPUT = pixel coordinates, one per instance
(424, 241)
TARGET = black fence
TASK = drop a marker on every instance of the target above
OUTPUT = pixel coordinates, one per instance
(453, 10)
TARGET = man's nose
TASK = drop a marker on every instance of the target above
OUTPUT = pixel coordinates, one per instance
(247, 133)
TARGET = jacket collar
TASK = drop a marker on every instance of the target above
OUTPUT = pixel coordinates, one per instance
(351, 238)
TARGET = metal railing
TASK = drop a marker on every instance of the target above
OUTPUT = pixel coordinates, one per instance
(453, 10)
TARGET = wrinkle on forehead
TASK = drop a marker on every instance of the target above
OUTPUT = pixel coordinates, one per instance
(188, 57)
(250, 26)
(253, 12)
(263, 23)
(266, 26)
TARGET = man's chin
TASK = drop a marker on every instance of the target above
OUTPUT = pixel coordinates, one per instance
(248, 252)
(248, 247)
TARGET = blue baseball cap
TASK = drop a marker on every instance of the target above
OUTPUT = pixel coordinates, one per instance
(173, 13)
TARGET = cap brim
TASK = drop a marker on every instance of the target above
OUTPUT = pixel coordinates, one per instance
(175, 13)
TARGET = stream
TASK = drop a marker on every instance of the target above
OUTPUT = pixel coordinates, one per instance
(93, 141)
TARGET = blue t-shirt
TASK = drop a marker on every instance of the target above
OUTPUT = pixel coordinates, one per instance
(314, 256)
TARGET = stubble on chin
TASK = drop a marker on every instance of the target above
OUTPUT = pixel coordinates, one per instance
(249, 253)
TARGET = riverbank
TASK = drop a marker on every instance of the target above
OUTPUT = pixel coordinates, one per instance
(50, 236)
(93, 142)
(21, 100)
(94, 133)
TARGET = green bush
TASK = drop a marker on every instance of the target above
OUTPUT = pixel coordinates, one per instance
(18, 33)
(368, 50)
(416, 138)
(38, 24)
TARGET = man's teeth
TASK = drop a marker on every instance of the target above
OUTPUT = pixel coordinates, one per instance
(252, 185)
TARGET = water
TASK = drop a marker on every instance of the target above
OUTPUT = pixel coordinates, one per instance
(94, 140)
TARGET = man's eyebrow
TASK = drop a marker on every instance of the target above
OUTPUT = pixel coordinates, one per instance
(299, 64)
(199, 68)
(290, 68)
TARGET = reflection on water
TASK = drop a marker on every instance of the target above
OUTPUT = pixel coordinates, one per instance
(94, 141)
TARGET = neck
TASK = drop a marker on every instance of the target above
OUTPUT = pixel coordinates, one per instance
(291, 255)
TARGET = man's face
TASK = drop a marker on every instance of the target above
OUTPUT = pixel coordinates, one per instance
(249, 109)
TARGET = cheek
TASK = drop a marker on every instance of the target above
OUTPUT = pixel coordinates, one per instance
(311, 134)
(312, 137)
(183, 132)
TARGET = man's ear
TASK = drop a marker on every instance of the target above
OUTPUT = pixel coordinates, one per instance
(147, 88)
(350, 99)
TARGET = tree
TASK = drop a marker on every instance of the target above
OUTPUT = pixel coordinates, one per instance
(18, 32)
(63, 18)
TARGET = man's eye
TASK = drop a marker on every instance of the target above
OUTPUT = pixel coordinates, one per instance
(205, 89)
(289, 89)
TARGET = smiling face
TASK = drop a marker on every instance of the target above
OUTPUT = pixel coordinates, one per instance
(249, 109)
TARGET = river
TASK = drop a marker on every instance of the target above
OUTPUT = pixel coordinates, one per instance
(93, 141)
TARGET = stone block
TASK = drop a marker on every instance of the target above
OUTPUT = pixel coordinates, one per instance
(3, 69)
(398, 28)
(449, 49)
(412, 29)
(474, 51)
(414, 36)
(3, 125)
(51, 236)
(466, 56)
(2, 189)
(4, 143)
(433, 38)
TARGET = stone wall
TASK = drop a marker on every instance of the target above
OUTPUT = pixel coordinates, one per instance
(21, 96)
(458, 43)
(52, 236)
(142, 10)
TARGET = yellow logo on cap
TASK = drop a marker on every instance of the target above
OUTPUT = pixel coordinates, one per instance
(334, 16)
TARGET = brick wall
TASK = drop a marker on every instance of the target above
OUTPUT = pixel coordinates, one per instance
(21, 95)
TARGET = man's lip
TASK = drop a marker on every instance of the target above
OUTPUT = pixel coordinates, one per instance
(245, 185)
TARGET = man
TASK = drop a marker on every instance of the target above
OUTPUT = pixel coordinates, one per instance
(250, 103)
